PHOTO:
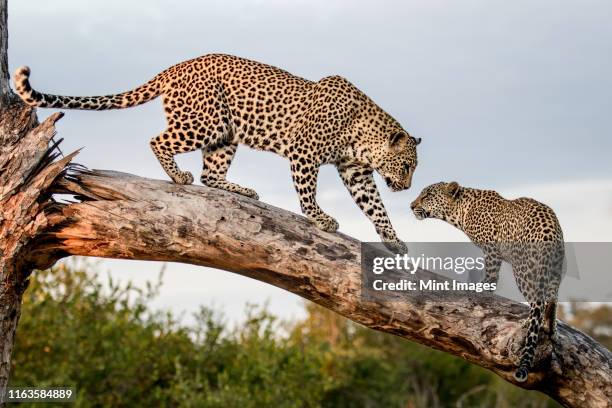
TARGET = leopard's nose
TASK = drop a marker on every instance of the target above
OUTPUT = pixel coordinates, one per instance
(413, 206)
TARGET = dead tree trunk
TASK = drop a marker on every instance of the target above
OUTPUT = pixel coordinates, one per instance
(14, 121)
(5, 89)
(128, 217)
(27, 171)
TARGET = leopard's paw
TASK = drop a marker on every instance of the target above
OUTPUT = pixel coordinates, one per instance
(248, 192)
(184, 177)
(396, 247)
(325, 223)
(391, 241)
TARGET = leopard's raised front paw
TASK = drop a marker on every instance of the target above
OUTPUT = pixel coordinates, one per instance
(184, 177)
(325, 223)
(396, 247)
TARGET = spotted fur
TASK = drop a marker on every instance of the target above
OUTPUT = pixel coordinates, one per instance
(522, 232)
(216, 102)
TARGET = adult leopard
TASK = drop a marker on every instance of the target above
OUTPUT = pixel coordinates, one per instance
(216, 102)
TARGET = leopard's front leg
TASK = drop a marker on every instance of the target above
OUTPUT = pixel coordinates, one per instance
(360, 183)
(305, 175)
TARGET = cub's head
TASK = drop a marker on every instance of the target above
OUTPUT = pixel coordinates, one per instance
(436, 201)
(396, 160)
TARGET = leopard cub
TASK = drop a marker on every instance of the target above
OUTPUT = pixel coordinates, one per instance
(523, 232)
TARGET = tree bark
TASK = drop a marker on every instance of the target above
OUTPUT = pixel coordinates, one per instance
(129, 217)
(27, 171)
(12, 124)
(5, 90)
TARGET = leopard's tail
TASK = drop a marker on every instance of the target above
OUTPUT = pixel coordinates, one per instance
(142, 94)
(534, 320)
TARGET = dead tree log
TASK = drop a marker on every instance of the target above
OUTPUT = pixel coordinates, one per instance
(129, 217)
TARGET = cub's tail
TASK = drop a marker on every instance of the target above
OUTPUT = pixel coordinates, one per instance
(534, 321)
(140, 95)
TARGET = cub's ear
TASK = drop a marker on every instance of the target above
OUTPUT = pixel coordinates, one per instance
(453, 189)
(397, 138)
(417, 140)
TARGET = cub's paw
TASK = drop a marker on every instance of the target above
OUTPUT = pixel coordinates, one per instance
(325, 223)
(184, 177)
(396, 246)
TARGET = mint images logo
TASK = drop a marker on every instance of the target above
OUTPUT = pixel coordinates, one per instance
(430, 285)
(456, 268)
(407, 264)
(431, 267)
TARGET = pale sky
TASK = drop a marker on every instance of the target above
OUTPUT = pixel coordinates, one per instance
(512, 96)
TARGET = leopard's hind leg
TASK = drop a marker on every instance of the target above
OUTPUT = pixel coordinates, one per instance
(556, 255)
(198, 118)
(166, 146)
(216, 161)
(535, 273)
(550, 323)
(550, 319)
(554, 281)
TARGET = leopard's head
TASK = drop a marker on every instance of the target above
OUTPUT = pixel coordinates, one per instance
(436, 201)
(396, 160)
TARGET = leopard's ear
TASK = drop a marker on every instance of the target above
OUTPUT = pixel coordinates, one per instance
(417, 140)
(397, 138)
(452, 189)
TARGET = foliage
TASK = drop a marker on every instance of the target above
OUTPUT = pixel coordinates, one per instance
(107, 342)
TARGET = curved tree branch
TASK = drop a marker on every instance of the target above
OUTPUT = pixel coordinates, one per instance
(129, 217)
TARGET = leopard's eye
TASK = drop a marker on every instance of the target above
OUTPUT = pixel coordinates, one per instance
(407, 168)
